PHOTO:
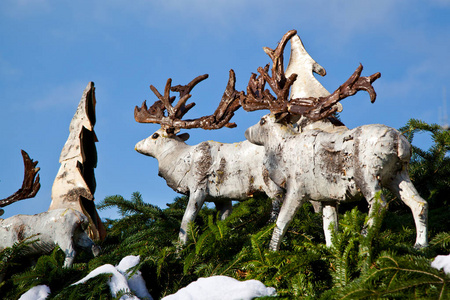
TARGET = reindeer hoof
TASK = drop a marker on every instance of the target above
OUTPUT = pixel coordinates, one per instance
(419, 246)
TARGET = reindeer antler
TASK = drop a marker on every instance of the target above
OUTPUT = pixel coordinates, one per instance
(30, 185)
(172, 122)
(325, 106)
(258, 98)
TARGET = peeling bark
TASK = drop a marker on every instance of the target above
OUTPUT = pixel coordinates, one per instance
(210, 171)
(61, 227)
(75, 185)
(337, 166)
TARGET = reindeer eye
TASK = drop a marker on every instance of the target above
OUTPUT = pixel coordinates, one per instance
(155, 136)
(262, 122)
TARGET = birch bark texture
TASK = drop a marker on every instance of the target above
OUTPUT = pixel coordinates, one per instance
(74, 185)
(210, 171)
(59, 227)
(334, 167)
(313, 159)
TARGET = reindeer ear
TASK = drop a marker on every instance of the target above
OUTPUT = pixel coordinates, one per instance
(172, 130)
(184, 136)
(282, 117)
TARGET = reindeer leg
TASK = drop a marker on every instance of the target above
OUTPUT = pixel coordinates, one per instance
(403, 187)
(370, 193)
(225, 209)
(70, 253)
(292, 203)
(276, 206)
(196, 200)
(330, 216)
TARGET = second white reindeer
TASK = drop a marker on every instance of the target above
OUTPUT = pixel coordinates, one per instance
(332, 165)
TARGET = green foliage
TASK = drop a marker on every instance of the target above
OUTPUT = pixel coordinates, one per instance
(11, 259)
(376, 262)
(397, 277)
(430, 169)
(93, 289)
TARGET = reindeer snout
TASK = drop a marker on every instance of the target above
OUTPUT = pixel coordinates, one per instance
(96, 250)
(139, 147)
(252, 136)
(247, 134)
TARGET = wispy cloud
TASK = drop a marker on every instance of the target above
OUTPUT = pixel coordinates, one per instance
(65, 95)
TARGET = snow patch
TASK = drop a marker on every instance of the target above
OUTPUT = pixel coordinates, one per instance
(442, 262)
(136, 282)
(39, 292)
(121, 280)
(222, 288)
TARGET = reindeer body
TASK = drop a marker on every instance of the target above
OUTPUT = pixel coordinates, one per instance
(62, 227)
(209, 171)
(339, 166)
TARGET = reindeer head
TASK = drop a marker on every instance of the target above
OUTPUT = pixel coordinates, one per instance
(172, 123)
(269, 127)
(159, 142)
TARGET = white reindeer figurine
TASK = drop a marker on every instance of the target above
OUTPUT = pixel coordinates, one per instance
(210, 171)
(62, 227)
(319, 165)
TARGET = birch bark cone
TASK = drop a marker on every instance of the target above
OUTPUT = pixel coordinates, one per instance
(74, 185)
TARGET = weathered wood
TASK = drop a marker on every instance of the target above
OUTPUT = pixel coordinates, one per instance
(340, 166)
(314, 103)
(30, 184)
(60, 227)
(74, 185)
(210, 171)
(172, 123)
(312, 158)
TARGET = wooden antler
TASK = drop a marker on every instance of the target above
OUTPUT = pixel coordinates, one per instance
(316, 109)
(258, 98)
(30, 185)
(172, 122)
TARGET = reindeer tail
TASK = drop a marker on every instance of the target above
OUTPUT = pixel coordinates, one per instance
(404, 149)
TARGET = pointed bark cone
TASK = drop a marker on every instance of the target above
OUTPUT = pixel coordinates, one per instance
(74, 185)
(302, 64)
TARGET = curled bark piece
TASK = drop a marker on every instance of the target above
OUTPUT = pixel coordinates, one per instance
(74, 185)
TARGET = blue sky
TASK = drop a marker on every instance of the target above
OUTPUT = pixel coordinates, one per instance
(50, 50)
